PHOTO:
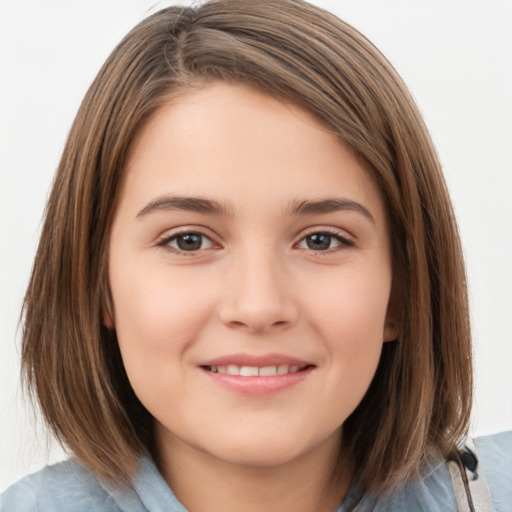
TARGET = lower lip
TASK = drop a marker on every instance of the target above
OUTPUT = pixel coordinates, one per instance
(258, 385)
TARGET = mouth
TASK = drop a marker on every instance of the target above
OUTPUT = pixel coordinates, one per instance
(256, 371)
(257, 375)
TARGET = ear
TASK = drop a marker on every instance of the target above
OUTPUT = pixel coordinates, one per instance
(390, 331)
(108, 322)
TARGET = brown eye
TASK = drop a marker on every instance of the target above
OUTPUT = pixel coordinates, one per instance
(319, 241)
(187, 242)
(324, 241)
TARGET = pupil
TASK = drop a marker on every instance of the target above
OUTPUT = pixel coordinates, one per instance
(318, 242)
(189, 242)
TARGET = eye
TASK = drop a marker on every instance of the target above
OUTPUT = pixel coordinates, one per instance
(187, 242)
(324, 241)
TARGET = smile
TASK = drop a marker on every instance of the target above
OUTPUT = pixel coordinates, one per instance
(257, 375)
(255, 371)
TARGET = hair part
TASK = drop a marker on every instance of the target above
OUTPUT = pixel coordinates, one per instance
(420, 398)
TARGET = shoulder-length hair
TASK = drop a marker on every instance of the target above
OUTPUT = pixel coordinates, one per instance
(420, 398)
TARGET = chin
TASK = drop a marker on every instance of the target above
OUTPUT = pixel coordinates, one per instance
(272, 450)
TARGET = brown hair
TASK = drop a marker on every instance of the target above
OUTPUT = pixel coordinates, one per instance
(420, 397)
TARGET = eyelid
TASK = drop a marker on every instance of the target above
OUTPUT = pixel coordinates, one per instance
(330, 230)
(172, 234)
(346, 240)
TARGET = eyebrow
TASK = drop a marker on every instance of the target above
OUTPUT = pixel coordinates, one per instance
(212, 207)
(191, 204)
(329, 206)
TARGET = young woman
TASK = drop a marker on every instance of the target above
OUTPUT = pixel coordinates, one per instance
(249, 291)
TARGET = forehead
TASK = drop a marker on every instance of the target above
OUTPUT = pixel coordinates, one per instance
(241, 146)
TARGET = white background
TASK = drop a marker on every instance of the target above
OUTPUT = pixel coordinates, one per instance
(455, 55)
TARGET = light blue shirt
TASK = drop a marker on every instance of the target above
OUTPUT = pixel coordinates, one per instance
(67, 486)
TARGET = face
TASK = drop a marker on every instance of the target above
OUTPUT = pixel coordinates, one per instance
(250, 271)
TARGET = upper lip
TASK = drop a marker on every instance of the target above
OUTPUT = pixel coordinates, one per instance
(259, 361)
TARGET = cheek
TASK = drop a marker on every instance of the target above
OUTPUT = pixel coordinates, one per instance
(351, 310)
(351, 318)
(352, 331)
(156, 313)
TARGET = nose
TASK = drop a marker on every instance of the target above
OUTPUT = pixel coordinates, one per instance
(258, 296)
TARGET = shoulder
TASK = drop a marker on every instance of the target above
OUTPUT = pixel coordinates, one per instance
(434, 491)
(495, 456)
(68, 486)
(60, 487)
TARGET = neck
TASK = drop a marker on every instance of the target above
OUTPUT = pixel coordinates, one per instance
(203, 482)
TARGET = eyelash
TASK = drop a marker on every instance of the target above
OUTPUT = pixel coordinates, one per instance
(343, 242)
(164, 243)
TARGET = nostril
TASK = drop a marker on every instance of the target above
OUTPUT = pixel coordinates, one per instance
(257, 326)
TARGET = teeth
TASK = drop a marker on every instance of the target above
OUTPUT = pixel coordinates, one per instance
(268, 370)
(255, 371)
(282, 369)
(249, 371)
(233, 369)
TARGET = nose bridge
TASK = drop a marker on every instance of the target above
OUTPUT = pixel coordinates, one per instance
(258, 294)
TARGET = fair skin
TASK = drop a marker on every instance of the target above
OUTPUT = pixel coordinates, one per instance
(247, 236)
